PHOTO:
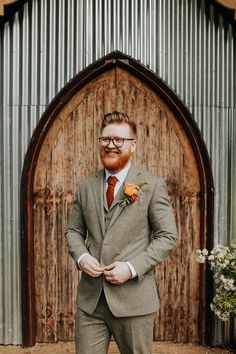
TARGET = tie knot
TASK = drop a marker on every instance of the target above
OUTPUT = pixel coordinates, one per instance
(112, 180)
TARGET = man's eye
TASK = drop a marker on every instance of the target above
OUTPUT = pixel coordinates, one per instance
(105, 140)
(118, 140)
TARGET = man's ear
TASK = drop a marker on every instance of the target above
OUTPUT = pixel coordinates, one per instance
(133, 145)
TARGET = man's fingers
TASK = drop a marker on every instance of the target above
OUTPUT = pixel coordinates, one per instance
(90, 271)
(96, 267)
(93, 273)
(91, 266)
(111, 266)
(111, 279)
(117, 273)
(108, 270)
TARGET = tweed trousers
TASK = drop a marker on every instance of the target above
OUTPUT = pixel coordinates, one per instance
(133, 335)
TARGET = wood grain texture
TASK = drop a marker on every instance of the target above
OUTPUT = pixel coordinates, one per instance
(69, 153)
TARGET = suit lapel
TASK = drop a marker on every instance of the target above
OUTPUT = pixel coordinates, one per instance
(105, 198)
(132, 177)
(98, 192)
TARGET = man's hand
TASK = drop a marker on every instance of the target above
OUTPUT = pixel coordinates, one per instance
(91, 266)
(117, 273)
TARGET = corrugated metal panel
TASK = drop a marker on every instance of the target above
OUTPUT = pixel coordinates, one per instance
(187, 43)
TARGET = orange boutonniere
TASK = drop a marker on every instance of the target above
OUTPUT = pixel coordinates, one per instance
(131, 193)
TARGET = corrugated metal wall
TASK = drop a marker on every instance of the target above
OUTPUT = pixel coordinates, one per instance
(186, 42)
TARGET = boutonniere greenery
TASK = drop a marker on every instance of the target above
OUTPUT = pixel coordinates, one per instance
(132, 193)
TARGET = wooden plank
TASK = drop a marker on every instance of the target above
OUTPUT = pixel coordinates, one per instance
(68, 154)
(164, 150)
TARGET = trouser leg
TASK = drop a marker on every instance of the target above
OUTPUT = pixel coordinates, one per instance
(91, 333)
(134, 335)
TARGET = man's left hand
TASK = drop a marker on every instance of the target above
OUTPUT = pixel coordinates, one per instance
(117, 273)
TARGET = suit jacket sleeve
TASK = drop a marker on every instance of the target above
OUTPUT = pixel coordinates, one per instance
(162, 221)
(76, 230)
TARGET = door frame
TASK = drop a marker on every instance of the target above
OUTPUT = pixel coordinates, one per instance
(191, 129)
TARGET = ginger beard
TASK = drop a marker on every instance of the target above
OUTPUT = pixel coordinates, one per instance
(113, 159)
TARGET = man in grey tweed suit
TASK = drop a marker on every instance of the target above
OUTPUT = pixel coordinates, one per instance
(121, 227)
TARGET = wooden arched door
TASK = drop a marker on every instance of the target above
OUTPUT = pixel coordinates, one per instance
(67, 150)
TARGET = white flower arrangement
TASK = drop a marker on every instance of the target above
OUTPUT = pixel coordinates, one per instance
(222, 261)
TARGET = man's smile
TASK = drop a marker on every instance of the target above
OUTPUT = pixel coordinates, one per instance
(111, 153)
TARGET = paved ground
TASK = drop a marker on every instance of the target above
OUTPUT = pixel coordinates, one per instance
(158, 348)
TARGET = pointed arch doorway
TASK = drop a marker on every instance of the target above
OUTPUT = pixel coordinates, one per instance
(63, 150)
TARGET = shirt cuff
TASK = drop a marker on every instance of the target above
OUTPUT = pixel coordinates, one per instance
(79, 260)
(133, 271)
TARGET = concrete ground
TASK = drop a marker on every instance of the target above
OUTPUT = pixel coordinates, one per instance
(158, 348)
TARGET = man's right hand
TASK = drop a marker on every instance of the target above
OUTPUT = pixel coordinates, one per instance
(91, 266)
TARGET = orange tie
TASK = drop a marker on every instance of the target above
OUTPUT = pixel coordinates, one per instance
(112, 180)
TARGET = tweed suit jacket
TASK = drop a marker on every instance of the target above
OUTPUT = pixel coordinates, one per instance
(143, 233)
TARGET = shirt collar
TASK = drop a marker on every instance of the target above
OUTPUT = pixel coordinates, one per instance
(121, 175)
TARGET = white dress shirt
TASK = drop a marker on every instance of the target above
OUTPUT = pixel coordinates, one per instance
(121, 176)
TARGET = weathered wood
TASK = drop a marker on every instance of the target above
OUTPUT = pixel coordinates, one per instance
(69, 153)
(163, 148)
(63, 150)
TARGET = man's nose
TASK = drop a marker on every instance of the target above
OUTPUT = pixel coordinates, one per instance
(111, 141)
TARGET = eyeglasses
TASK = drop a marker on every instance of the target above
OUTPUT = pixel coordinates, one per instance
(116, 141)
